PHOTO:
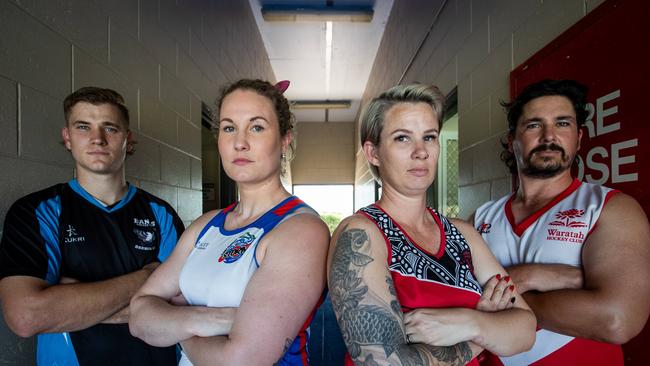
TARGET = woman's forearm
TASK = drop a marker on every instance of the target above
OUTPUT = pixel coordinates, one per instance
(504, 333)
(162, 324)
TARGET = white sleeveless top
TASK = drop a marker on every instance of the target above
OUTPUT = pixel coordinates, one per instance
(222, 262)
(554, 234)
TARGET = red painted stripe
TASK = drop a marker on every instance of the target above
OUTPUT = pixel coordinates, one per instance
(528, 221)
(287, 206)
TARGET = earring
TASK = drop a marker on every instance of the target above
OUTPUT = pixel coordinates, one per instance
(282, 156)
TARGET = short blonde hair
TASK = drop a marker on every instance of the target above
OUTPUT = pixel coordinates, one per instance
(372, 117)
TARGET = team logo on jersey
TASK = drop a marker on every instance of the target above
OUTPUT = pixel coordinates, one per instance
(236, 249)
(565, 218)
(144, 222)
(484, 228)
(145, 239)
(72, 236)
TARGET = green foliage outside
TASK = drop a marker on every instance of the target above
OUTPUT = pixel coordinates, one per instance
(332, 220)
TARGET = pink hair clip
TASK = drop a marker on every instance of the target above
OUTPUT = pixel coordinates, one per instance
(282, 86)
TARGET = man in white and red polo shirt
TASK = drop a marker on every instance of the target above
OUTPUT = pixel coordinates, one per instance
(578, 252)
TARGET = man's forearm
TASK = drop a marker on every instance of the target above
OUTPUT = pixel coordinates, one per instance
(71, 307)
(546, 277)
(578, 313)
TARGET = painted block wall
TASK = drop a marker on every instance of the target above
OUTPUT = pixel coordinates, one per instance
(164, 56)
(323, 153)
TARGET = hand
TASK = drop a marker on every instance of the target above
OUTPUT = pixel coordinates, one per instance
(178, 300)
(498, 294)
(151, 267)
(546, 277)
(438, 327)
(67, 280)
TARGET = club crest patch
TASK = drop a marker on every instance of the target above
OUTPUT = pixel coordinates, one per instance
(236, 249)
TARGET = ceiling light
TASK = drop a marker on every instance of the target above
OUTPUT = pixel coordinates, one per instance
(280, 13)
(320, 104)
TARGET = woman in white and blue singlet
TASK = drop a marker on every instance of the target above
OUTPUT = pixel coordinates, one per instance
(408, 285)
(243, 283)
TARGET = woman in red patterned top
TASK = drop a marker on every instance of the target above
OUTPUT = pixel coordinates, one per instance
(408, 285)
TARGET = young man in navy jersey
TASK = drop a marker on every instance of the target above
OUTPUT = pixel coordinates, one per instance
(72, 255)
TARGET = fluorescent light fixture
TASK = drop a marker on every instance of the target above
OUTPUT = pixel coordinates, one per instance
(289, 13)
(328, 56)
(320, 104)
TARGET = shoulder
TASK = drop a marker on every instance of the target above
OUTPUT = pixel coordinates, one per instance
(619, 207)
(357, 221)
(304, 226)
(466, 229)
(150, 198)
(32, 201)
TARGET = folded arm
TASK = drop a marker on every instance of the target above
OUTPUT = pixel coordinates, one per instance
(292, 272)
(366, 305)
(505, 331)
(614, 302)
(31, 306)
(159, 318)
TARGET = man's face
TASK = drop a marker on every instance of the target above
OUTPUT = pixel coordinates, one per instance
(547, 137)
(97, 138)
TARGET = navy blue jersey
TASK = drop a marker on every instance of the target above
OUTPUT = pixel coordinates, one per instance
(64, 231)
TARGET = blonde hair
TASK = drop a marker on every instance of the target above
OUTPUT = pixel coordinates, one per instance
(372, 117)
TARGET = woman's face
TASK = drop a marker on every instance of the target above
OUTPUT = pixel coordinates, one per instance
(407, 155)
(249, 138)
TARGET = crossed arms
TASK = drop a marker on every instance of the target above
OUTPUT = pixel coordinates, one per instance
(371, 319)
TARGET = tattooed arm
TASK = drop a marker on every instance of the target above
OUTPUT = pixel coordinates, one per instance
(366, 305)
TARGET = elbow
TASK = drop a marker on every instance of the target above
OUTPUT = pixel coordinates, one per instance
(23, 323)
(524, 340)
(618, 328)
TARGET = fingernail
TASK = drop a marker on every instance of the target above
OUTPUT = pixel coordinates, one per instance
(507, 278)
(498, 276)
(512, 288)
(512, 300)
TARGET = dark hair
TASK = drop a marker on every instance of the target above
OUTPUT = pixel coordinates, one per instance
(570, 89)
(96, 96)
(280, 105)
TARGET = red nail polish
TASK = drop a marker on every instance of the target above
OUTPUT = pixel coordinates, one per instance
(512, 287)
(498, 276)
(507, 278)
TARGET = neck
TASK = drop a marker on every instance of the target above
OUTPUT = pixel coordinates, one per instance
(405, 209)
(107, 188)
(535, 192)
(256, 199)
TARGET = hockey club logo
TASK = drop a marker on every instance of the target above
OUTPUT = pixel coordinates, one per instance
(236, 249)
(72, 236)
(145, 239)
(567, 220)
(564, 218)
(484, 228)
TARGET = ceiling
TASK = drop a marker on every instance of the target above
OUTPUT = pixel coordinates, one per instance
(298, 52)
